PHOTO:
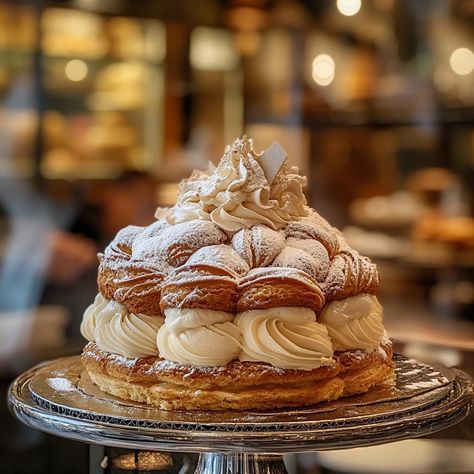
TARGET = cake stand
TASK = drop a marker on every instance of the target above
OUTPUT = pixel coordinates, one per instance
(58, 397)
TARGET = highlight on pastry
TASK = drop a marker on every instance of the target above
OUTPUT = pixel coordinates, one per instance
(240, 297)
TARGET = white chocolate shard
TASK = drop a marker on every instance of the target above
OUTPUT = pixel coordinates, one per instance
(162, 212)
(272, 160)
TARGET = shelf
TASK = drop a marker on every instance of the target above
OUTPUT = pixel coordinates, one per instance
(391, 118)
(14, 57)
(104, 61)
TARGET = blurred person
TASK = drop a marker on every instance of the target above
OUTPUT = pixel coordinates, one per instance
(35, 245)
(128, 200)
(99, 215)
(37, 252)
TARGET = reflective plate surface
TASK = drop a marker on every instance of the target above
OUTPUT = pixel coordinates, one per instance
(59, 398)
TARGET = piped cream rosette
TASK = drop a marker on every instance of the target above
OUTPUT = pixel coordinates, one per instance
(284, 337)
(115, 330)
(354, 323)
(200, 337)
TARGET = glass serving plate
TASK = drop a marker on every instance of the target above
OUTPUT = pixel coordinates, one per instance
(58, 397)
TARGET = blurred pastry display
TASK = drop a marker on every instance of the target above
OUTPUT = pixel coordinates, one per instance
(119, 86)
(396, 211)
(425, 224)
(110, 136)
(456, 232)
(376, 244)
(73, 33)
(436, 187)
(443, 234)
(446, 240)
(96, 72)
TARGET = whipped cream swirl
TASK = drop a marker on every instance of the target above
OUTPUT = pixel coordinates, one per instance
(115, 330)
(237, 195)
(200, 337)
(354, 323)
(284, 337)
(89, 319)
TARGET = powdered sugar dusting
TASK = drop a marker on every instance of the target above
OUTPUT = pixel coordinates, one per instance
(61, 384)
(149, 263)
(258, 275)
(413, 372)
(316, 250)
(425, 384)
(188, 276)
(259, 245)
(310, 228)
(296, 258)
(221, 257)
(350, 274)
(121, 245)
(175, 244)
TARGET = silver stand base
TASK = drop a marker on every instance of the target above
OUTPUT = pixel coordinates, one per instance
(240, 463)
(423, 400)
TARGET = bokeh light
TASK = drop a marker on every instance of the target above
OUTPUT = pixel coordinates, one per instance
(462, 61)
(348, 7)
(324, 69)
(76, 70)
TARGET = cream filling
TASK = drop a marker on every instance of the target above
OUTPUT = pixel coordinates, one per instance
(354, 323)
(115, 330)
(284, 337)
(237, 195)
(89, 319)
(198, 337)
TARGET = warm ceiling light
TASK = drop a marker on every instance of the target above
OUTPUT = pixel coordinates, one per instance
(213, 49)
(324, 69)
(348, 7)
(76, 70)
(462, 61)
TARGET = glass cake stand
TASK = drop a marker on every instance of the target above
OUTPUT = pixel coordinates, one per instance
(59, 398)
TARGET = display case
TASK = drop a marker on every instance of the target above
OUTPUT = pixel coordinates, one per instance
(82, 92)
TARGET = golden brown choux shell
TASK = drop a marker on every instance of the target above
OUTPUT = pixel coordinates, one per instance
(191, 288)
(350, 274)
(259, 245)
(271, 287)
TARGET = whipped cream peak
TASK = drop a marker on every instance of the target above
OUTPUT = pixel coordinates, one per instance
(237, 195)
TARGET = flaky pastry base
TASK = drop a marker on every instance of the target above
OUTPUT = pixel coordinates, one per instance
(238, 385)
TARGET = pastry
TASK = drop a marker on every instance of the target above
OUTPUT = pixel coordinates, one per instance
(240, 297)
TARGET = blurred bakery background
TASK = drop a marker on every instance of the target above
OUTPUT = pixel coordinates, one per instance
(106, 104)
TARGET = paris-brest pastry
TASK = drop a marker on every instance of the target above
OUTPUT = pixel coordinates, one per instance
(239, 297)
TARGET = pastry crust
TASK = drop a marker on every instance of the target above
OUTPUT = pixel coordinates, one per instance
(193, 265)
(314, 227)
(350, 274)
(259, 245)
(191, 288)
(175, 244)
(238, 385)
(264, 288)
